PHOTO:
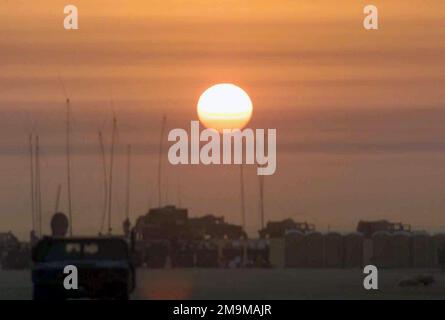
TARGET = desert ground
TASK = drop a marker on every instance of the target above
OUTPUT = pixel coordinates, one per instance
(260, 284)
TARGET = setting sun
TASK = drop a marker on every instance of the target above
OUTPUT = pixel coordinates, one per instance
(224, 106)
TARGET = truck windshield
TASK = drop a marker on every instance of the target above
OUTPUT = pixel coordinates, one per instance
(82, 250)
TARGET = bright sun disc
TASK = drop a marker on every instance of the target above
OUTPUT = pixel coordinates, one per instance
(224, 106)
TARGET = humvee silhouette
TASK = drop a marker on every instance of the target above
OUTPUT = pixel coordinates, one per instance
(104, 264)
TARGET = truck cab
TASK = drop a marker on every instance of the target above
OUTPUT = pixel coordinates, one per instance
(104, 268)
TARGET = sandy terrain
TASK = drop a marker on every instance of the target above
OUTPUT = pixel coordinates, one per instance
(255, 284)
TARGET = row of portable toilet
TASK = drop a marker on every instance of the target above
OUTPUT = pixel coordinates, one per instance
(333, 250)
(406, 250)
(315, 250)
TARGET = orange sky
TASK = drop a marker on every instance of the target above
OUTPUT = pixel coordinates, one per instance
(289, 48)
(364, 110)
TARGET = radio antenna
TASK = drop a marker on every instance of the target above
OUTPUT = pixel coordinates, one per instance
(110, 190)
(127, 204)
(59, 189)
(68, 163)
(68, 153)
(38, 187)
(31, 157)
(104, 165)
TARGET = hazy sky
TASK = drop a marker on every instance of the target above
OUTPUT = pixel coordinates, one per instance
(359, 114)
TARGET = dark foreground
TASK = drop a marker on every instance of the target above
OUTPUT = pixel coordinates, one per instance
(255, 284)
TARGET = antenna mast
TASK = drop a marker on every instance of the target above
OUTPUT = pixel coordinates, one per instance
(127, 205)
(59, 189)
(110, 191)
(68, 154)
(33, 208)
(68, 163)
(104, 165)
(38, 191)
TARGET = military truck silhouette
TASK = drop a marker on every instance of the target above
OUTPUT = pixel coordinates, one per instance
(104, 264)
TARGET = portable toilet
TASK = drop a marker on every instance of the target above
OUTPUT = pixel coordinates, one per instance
(314, 249)
(439, 249)
(295, 249)
(333, 250)
(422, 250)
(401, 242)
(277, 252)
(383, 253)
(353, 250)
